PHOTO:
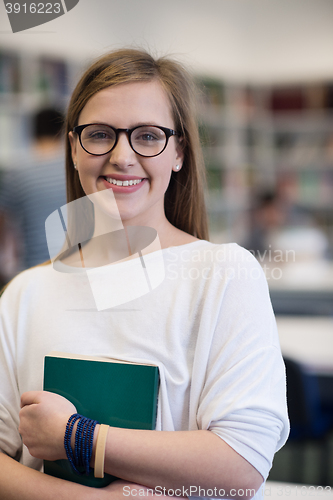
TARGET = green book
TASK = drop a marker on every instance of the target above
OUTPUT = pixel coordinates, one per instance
(113, 392)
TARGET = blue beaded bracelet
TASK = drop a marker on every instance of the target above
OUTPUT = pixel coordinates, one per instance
(67, 440)
(84, 434)
(79, 442)
(90, 436)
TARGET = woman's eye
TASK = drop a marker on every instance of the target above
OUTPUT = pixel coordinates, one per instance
(98, 136)
(147, 137)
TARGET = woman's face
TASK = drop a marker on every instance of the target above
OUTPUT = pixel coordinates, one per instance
(126, 106)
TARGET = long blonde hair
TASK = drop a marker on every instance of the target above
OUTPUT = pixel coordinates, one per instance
(184, 199)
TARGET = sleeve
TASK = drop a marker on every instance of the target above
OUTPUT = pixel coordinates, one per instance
(243, 399)
(10, 439)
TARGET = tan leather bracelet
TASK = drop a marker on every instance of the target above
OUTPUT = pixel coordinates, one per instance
(100, 450)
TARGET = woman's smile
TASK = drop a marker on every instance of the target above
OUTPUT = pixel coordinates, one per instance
(124, 184)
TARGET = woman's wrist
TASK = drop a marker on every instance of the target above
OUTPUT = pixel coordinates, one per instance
(78, 442)
(96, 435)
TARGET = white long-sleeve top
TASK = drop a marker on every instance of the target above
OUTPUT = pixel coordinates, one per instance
(209, 326)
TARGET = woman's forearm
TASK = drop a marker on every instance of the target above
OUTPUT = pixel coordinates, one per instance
(177, 460)
(18, 482)
(171, 460)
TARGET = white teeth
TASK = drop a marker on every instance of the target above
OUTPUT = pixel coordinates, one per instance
(131, 182)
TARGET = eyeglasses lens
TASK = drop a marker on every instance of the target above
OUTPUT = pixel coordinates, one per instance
(148, 141)
(145, 140)
(98, 139)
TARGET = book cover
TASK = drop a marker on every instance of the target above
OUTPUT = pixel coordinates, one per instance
(116, 393)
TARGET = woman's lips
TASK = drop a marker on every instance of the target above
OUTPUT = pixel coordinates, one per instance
(125, 184)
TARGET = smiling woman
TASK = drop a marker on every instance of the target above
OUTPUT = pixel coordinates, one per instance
(139, 159)
(206, 321)
(184, 199)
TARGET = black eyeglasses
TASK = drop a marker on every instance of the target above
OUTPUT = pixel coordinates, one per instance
(145, 140)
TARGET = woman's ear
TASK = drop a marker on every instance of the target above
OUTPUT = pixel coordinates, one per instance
(73, 143)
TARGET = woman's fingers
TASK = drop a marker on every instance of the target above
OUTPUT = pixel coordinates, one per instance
(52, 400)
(43, 419)
(30, 397)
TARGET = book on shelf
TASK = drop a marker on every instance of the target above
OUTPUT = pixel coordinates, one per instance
(10, 77)
(113, 392)
(53, 77)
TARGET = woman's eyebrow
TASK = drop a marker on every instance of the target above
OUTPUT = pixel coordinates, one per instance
(136, 124)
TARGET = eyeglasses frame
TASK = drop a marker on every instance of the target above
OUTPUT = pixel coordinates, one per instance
(128, 131)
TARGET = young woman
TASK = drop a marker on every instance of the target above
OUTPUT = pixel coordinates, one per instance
(208, 325)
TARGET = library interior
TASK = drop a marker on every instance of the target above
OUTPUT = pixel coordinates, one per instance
(265, 87)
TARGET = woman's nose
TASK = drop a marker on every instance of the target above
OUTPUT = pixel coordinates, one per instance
(122, 155)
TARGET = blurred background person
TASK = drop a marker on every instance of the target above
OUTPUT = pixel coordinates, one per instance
(29, 194)
(277, 224)
(267, 217)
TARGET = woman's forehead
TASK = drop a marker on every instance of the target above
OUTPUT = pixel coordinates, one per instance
(137, 102)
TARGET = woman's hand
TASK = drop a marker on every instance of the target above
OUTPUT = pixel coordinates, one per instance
(43, 419)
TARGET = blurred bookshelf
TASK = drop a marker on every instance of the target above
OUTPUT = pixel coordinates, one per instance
(255, 137)
(29, 82)
(266, 137)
